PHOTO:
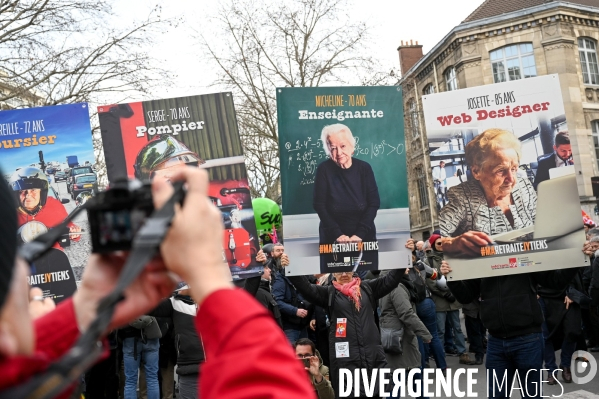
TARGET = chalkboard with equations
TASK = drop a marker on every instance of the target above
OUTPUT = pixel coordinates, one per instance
(375, 118)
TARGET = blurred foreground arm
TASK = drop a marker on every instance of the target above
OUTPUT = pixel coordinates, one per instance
(240, 363)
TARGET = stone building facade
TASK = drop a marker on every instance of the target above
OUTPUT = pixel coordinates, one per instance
(538, 37)
(12, 97)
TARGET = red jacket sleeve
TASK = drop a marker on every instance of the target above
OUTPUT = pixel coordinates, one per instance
(55, 334)
(247, 354)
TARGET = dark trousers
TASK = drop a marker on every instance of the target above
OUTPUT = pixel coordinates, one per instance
(448, 338)
(102, 380)
(567, 348)
(590, 321)
(427, 313)
(506, 357)
(476, 333)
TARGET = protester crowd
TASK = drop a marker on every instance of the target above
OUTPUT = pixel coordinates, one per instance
(422, 312)
(206, 339)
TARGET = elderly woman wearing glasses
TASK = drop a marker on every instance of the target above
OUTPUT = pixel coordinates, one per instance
(496, 200)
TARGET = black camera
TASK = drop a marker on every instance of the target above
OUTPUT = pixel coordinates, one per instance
(115, 215)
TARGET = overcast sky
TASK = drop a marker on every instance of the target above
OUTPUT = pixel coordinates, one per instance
(426, 21)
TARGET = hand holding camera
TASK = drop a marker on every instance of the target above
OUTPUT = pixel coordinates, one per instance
(312, 365)
(284, 260)
(195, 234)
(314, 368)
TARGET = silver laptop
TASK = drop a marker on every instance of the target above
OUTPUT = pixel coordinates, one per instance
(558, 210)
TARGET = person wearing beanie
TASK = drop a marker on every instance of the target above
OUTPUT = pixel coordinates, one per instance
(231, 323)
(432, 239)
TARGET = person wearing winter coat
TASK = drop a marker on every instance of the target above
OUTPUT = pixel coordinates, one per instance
(448, 309)
(562, 328)
(264, 296)
(190, 350)
(397, 313)
(511, 312)
(318, 372)
(354, 339)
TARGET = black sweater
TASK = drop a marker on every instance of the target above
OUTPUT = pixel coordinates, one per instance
(346, 200)
(509, 305)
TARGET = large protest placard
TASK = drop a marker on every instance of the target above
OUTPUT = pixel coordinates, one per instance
(40, 148)
(155, 138)
(343, 178)
(514, 207)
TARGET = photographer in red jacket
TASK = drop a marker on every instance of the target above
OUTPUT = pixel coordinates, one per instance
(240, 363)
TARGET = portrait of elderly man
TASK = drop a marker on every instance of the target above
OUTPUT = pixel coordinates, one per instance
(346, 197)
(495, 200)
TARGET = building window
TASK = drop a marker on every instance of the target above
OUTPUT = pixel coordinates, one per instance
(587, 50)
(422, 192)
(595, 129)
(429, 89)
(513, 62)
(414, 121)
(451, 81)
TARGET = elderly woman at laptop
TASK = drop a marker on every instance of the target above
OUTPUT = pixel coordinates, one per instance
(495, 200)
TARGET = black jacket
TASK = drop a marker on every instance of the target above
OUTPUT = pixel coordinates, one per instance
(265, 298)
(594, 283)
(545, 163)
(190, 350)
(562, 323)
(251, 284)
(509, 305)
(362, 334)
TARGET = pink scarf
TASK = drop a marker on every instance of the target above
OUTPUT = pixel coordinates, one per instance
(351, 290)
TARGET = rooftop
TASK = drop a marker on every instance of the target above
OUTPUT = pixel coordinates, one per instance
(493, 8)
(494, 11)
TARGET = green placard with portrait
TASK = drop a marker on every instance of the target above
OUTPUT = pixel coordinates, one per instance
(343, 175)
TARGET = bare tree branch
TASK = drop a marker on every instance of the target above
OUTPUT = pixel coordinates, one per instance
(296, 43)
(66, 51)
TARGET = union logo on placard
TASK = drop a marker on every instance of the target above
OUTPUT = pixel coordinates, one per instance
(513, 262)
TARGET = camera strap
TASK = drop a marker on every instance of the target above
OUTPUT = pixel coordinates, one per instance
(88, 348)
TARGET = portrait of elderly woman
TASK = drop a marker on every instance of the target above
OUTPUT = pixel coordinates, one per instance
(346, 196)
(495, 200)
